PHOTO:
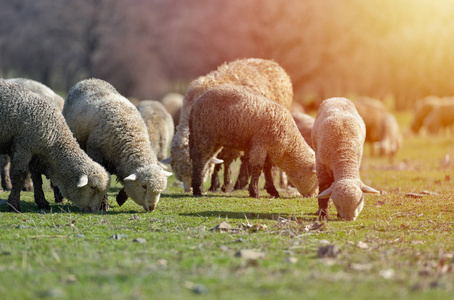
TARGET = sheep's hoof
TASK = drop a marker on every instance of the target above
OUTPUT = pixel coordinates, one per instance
(44, 207)
(14, 208)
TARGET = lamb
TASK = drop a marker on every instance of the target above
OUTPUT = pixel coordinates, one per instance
(338, 137)
(441, 116)
(247, 121)
(44, 91)
(159, 125)
(111, 130)
(390, 137)
(305, 123)
(40, 89)
(173, 102)
(35, 135)
(422, 109)
(264, 76)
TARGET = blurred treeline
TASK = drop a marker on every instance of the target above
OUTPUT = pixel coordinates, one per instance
(402, 49)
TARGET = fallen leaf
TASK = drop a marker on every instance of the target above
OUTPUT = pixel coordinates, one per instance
(414, 195)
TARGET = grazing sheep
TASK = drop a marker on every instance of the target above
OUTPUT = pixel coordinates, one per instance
(304, 122)
(423, 108)
(263, 76)
(159, 125)
(44, 91)
(35, 135)
(40, 89)
(390, 137)
(173, 102)
(441, 116)
(113, 133)
(372, 112)
(338, 137)
(245, 120)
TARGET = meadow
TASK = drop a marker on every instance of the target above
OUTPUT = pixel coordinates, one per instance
(225, 246)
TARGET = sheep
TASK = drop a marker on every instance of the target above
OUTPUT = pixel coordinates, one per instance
(304, 122)
(173, 102)
(423, 108)
(441, 116)
(159, 125)
(44, 91)
(338, 137)
(35, 135)
(372, 111)
(264, 76)
(40, 89)
(111, 130)
(390, 137)
(247, 121)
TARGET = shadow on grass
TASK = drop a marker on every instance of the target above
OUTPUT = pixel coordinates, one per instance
(251, 216)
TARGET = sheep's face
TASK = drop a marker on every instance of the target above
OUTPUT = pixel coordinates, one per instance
(145, 185)
(348, 198)
(90, 190)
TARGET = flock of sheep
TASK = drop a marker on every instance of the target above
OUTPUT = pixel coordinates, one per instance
(241, 110)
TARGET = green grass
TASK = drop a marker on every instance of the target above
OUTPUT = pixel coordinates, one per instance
(399, 247)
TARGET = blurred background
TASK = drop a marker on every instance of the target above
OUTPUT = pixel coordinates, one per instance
(394, 49)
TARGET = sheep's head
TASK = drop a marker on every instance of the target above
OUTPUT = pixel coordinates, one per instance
(145, 185)
(348, 197)
(89, 190)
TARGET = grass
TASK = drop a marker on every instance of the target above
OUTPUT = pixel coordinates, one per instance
(399, 247)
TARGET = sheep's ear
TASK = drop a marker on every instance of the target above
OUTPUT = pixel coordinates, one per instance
(83, 181)
(167, 160)
(167, 173)
(121, 197)
(162, 165)
(326, 193)
(369, 190)
(216, 161)
(131, 177)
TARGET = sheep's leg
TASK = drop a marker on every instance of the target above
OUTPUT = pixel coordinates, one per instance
(269, 183)
(5, 163)
(257, 158)
(40, 199)
(227, 187)
(243, 176)
(18, 173)
(325, 178)
(200, 159)
(28, 185)
(215, 184)
(58, 197)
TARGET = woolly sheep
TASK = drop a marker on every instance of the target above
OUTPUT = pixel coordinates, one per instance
(173, 102)
(423, 108)
(113, 133)
(40, 89)
(159, 126)
(390, 137)
(44, 91)
(263, 76)
(35, 135)
(372, 111)
(441, 116)
(304, 122)
(338, 137)
(246, 121)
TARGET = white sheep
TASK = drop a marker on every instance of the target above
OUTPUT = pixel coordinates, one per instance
(110, 128)
(173, 102)
(35, 135)
(43, 91)
(441, 116)
(264, 76)
(390, 136)
(40, 89)
(159, 125)
(338, 137)
(240, 118)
